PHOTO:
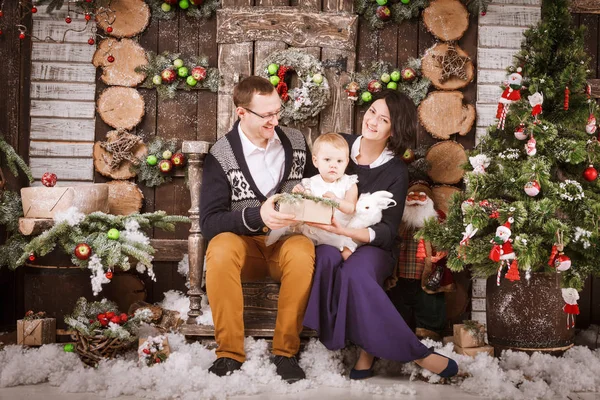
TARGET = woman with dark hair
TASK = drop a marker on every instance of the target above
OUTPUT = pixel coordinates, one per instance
(347, 300)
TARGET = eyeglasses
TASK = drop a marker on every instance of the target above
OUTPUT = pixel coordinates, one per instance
(267, 116)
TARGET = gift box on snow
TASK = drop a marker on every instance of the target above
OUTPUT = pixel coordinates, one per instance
(473, 351)
(306, 209)
(471, 334)
(36, 332)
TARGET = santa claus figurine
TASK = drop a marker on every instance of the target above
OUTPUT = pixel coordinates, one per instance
(511, 93)
(425, 276)
(502, 249)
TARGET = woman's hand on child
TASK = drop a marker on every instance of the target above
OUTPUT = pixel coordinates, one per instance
(335, 227)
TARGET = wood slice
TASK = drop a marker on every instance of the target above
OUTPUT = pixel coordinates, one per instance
(124, 198)
(445, 159)
(128, 18)
(121, 107)
(432, 69)
(442, 195)
(443, 114)
(33, 226)
(102, 158)
(128, 55)
(45, 202)
(446, 19)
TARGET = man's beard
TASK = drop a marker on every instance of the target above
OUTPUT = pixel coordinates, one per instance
(416, 212)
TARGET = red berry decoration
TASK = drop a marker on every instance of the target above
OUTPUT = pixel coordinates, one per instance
(108, 275)
(109, 29)
(88, 17)
(115, 320)
(165, 166)
(178, 160)
(110, 59)
(33, 10)
(21, 36)
(1, 32)
(146, 351)
(383, 13)
(1, 13)
(91, 41)
(32, 257)
(68, 20)
(590, 174)
(49, 179)
(483, 13)
(83, 251)
(110, 314)
(123, 317)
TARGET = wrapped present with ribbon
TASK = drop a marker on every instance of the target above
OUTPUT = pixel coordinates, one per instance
(469, 335)
(36, 330)
(307, 208)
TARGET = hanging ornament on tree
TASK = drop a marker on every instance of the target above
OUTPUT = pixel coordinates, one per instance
(502, 250)
(520, 132)
(32, 257)
(513, 272)
(479, 163)
(511, 93)
(567, 93)
(532, 188)
(466, 204)
(49, 179)
(590, 173)
(591, 127)
(108, 274)
(570, 296)
(536, 100)
(553, 255)
(530, 146)
(562, 262)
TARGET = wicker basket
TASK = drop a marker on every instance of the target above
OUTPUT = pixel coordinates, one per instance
(92, 349)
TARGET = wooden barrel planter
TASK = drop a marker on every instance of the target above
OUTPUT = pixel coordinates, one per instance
(55, 289)
(527, 315)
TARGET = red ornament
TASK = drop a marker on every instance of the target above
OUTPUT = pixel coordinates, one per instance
(566, 104)
(108, 275)
(49, 179)
(32, 257)
(383, 13)
(590, 174)
(110, 59)
(83, 251)
(21, 36)
(146, 351)
(110, 314)
(115, 320)
(157, 360)
(178, 159)
(1, 32)
(91, 41)
(33, 10)
(109, 29)
(68, 20)
(562, 262)
(88, 17)
(123, 317)
(483, 13)
(513, 272)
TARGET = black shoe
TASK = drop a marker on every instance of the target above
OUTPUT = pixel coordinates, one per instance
(451, 369)
(288, 369)
(224, 366)
(357, 374)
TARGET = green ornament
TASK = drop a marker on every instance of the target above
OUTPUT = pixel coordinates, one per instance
(385, 78)
(366, 97)
(382, 2)
(191, 81)
(405, 1)
(184, 4)
(113, 234)
(272, 69)
(178, 63)
(182, 72)
(395, 75)
(151, 159)
(274, 79)
(165, 7)
(69, 348)
(392, 85)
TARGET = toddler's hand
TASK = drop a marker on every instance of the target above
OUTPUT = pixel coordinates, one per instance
(330, 195)
(298, 189)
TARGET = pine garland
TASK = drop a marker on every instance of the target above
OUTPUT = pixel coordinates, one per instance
(10, 210)
(399, 12)
(204, 11)
(157, 63)
(293, 198)
(150, 175)
(552, 57)
(478, 6)
(13, 160)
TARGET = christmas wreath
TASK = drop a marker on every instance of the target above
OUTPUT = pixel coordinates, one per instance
(382, 75)
(166, 9)
(382, 12)
(308, 99)
(160, 163)
(168, 72)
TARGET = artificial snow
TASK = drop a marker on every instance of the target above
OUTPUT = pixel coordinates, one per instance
(176, 301)
(184, 374)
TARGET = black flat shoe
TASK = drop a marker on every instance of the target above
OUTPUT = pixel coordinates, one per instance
(450, 370)
(288, 369)
(357, 374)
(224, 366)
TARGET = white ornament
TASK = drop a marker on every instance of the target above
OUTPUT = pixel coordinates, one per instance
(520, 132)
(591, 125)
(532, 188)
(479, 163)
(530, 146)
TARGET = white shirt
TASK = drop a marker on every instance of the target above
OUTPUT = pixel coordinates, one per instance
(266, 165)
(385, 156)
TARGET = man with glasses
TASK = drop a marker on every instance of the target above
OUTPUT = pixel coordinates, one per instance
(242, 174)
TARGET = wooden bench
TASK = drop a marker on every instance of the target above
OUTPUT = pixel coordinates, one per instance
(260, 297)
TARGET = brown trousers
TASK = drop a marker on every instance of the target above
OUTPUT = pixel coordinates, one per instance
(231, 259)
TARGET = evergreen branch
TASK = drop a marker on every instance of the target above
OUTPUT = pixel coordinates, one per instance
(14, 161)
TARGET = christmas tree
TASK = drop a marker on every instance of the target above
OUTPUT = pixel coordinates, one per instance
(532, 200)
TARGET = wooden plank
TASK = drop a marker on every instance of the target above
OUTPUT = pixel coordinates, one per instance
(501, 37)
(76, 169)
(511, 15)
(61, 149)
(262, 49)
(65, 109)
(207, 101)
(62, 129)
(169, 250)
(337, 116)
(486, 114)
(495, 58)
(595, 84)
(67, 52)
(292, 26)
(63, 91)
(58, 15)
(338, 6)
(52, 71)
(47, 29)
(387, 49)
(488, 94)
(585, 6)
(491, 76)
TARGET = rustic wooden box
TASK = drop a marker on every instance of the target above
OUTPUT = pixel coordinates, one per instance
(36, 332)
(464, 338)
(308, 211)
(473, 351)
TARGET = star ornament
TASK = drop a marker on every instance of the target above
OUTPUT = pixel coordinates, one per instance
(452, 64)
(121, 150)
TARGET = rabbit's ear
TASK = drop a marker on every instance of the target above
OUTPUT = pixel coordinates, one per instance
(387, 203)
(383, 194)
